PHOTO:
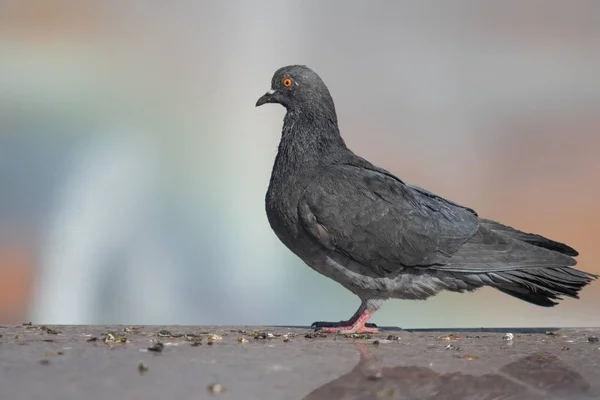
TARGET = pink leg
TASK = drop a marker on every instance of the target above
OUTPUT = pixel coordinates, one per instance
(356, 324)
(359, 326)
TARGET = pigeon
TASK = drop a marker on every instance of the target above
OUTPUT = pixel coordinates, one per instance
(382, 238)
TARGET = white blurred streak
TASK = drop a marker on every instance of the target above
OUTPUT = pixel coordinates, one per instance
(102, 228)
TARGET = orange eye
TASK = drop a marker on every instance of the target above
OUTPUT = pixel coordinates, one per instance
(287, 82)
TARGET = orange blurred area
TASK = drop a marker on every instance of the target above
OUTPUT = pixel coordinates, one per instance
(44, 19)
(16, 278)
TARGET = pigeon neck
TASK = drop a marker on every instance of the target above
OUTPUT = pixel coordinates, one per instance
(311, 137)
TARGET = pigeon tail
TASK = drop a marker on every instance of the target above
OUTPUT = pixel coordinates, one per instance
(539, 286)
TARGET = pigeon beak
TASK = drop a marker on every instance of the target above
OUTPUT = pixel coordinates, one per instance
(266, 98)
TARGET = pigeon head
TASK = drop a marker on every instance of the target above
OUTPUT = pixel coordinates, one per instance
(297, 88)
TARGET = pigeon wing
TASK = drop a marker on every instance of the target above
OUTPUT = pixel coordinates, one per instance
(376, 219)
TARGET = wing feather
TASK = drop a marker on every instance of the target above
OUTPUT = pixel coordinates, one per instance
(379, 221)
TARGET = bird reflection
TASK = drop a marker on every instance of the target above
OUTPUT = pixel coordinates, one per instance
(537, 376)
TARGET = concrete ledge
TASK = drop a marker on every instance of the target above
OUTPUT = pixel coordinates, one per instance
(168, 362)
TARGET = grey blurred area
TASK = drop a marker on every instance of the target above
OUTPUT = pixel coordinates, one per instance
(134, 164)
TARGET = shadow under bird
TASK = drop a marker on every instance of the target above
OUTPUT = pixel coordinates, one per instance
(383, 238)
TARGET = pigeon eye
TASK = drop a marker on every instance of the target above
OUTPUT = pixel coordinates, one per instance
(287, 82)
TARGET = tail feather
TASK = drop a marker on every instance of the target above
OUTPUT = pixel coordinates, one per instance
(541, 286)
(533, 298)
(530, 238)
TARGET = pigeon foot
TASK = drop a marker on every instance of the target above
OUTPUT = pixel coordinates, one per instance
(359, 325)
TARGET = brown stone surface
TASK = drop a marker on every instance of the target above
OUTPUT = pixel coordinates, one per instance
(116, 362)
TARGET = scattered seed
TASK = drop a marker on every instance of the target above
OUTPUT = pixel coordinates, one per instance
(314, 335)
(375, 376)
(49, 331)
(133, 329)
(508, 336)
(115, 338)
(169, 334)
(358, 336)
(142, 368)
(262, 335)
(451, 336)
(157, 347)
(216, 388)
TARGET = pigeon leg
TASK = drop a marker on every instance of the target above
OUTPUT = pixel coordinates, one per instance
(356, 324)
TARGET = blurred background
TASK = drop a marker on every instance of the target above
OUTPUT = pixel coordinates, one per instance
(133, 163)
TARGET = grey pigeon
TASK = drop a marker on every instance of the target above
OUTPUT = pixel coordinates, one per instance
(382, 238)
